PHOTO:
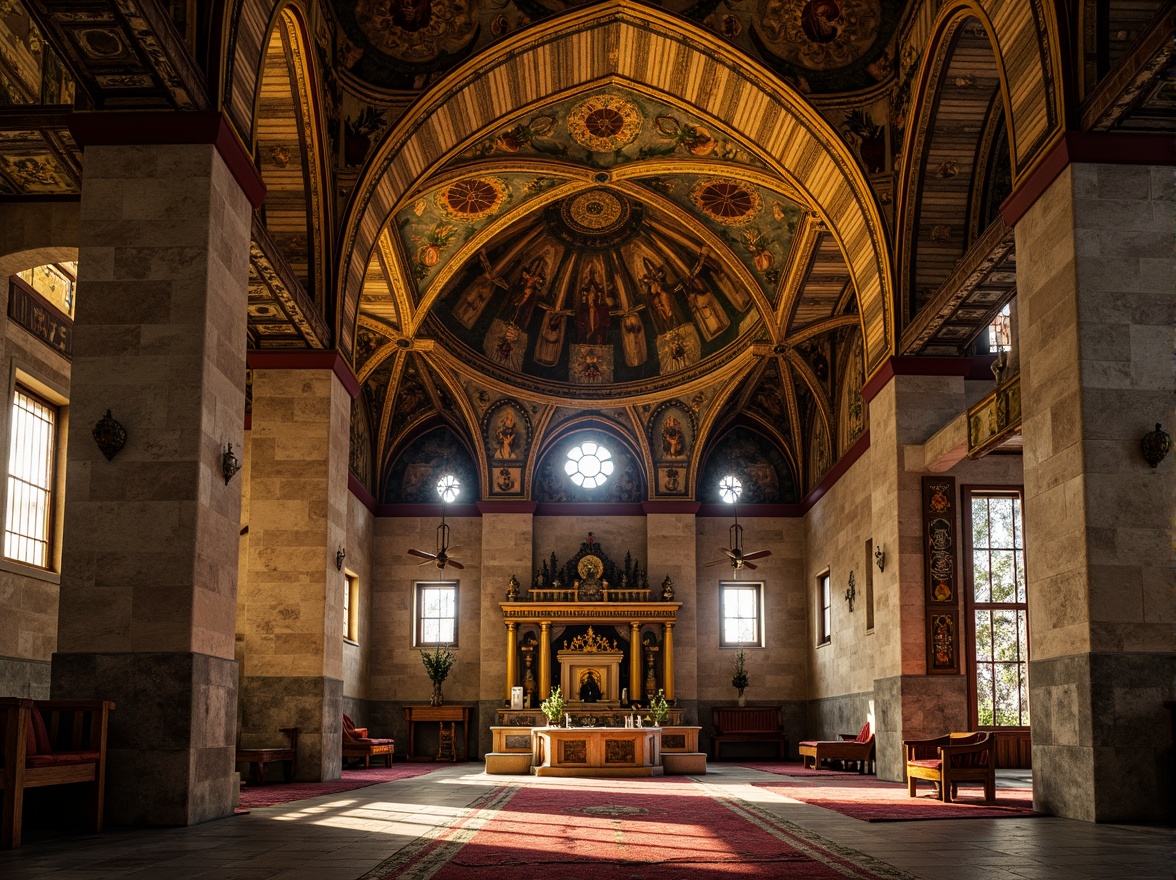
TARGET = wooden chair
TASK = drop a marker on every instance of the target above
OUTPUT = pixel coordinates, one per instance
(50, 742)
(950, 760)
(851, 748)
(447, 744)
(357, 744)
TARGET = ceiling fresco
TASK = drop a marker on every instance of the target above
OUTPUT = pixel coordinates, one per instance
(817, 45)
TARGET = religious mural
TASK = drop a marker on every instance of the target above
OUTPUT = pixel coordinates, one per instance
(597, 289)
(851, 412)
(506, 433)
(360, 451)
(818, 46)
(413, 475)
(767, 477)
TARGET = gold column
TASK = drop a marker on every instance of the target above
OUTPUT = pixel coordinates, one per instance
(635, 664)
(511, 658)
(668, 662)
(545, 660)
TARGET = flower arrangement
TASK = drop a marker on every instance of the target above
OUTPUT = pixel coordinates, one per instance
(554, 706)
(438, 663)
(739, 673)
(659, 708)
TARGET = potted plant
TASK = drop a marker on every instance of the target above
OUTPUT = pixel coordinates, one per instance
(554, 707)
(437, 665)
(739, 676)
(658, 708)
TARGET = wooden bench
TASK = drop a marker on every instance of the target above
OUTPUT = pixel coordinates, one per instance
(748, 724)
(850, 748)
(357, 744)
(258, 758)
(51, 742)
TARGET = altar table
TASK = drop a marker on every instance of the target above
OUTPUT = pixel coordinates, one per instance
(596, 751)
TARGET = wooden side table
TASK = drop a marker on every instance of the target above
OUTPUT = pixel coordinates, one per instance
(441, 714)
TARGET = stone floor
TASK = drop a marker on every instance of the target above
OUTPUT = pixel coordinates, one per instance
(344, 836)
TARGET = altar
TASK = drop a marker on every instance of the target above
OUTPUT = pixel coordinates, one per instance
(596, 751)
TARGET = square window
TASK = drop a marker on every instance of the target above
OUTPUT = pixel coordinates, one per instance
(741, 614)
(436, 613)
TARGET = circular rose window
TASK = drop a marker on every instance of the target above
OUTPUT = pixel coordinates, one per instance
(589, 464)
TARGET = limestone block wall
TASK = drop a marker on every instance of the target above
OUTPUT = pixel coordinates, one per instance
(396, 675)
(29, 596)
(779, 671)
(358, 544)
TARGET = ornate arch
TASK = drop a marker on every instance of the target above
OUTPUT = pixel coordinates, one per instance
(622, 40)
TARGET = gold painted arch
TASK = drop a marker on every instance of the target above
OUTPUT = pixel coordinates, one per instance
(642, 45)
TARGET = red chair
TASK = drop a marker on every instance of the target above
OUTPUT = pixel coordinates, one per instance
(357, 744)
(949, 760)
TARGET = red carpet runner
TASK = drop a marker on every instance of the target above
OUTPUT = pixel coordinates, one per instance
(637, 830)
(273, 793)
(871, 800)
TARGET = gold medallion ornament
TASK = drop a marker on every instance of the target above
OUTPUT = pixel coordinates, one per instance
(604, 123)
(596, 209)
(730, 202)
(472, 198)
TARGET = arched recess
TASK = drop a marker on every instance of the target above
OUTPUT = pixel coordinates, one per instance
(764, 467)
(287, 139)
(962, 88)
(36, 233)
(624, 41)
(412, 469)
(549, 481)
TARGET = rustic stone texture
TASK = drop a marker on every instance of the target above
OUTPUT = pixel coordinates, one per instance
(506, 552)
(671, 552)
(1097, 323)
(291, 605)
(915, 707)
(34, 233)
(313, 704)
(149, 581)
(24, 678)
(845, 713)
(165, 768)
(360, 529)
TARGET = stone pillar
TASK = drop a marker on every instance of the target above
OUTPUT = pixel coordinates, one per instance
(511, 654)
(636, 662)
(668, 661)
(671, 552)
(909, 703)
(545, 660)
(1095, 274)
(149, 561)
(506, 553)
(291, 607)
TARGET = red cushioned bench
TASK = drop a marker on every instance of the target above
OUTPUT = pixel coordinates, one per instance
(50, 742)
(851, 749)
(357, 744)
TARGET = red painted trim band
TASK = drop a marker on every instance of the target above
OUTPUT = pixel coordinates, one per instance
(119, 128)
(306, 360)
(1108, 148)
(359, 490)
(485, 507)
(913, 365)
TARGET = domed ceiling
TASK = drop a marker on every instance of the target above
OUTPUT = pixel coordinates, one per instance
(606, 264)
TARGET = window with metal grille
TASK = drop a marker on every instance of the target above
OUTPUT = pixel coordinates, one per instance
(999, 609)
(740, 610)
(31, 452)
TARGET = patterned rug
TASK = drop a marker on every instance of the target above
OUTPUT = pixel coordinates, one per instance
(649, 829)
(789, 768)
(872, 800)
(274, 793)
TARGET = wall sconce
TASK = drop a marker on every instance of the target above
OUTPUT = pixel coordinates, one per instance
(1155, 445)
(340, 555)
(229, 463)
(112, 436)
(880, 557)
(850, 592)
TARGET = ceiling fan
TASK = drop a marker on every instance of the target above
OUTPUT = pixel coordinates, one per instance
(448, 488)
(730, 489)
